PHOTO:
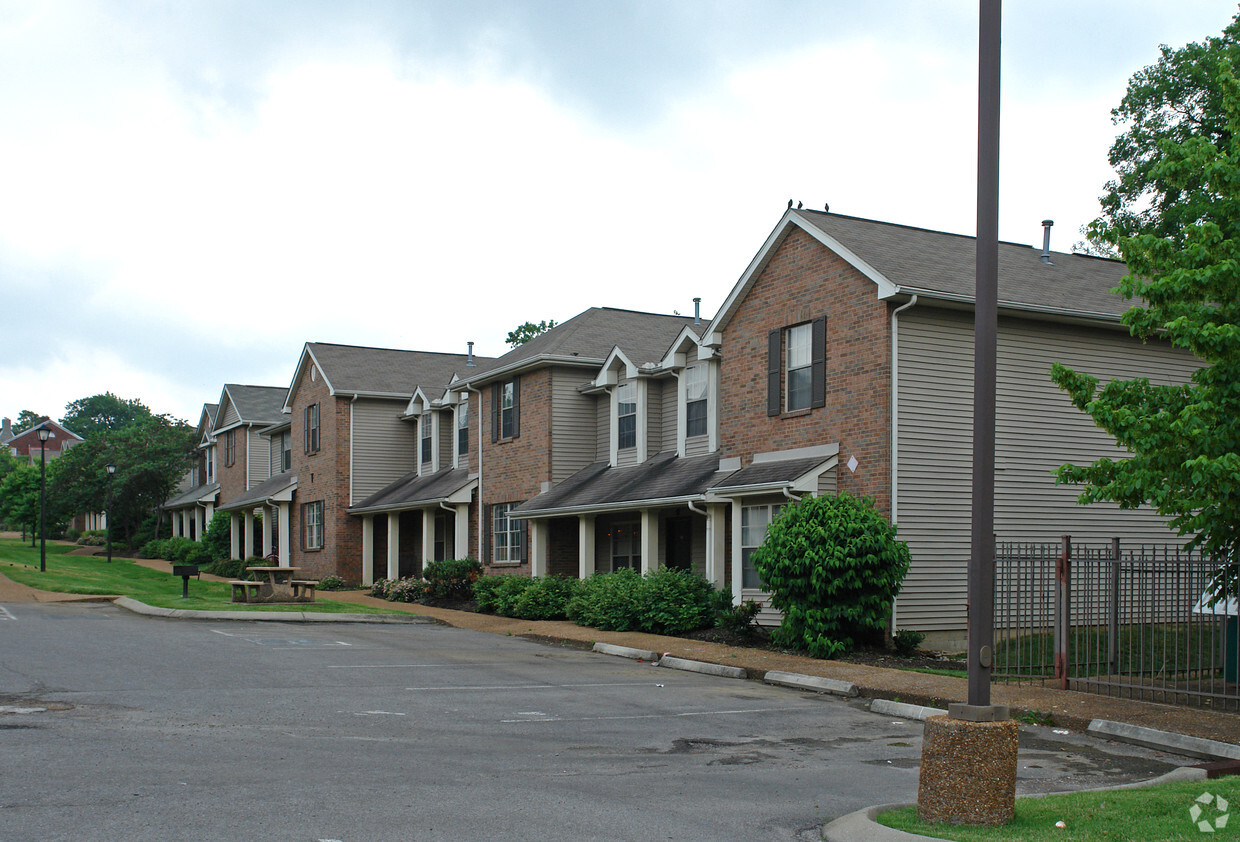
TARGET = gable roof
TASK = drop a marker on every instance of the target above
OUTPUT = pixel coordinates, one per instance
(254, 404)
(588, 338)
(377, 372)
(904, 261)
(28, 441)
(413, 491)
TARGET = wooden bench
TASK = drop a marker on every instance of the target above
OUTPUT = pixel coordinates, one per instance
(242, 591)
(303, 589)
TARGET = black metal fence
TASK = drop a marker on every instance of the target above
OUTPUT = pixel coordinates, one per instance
(1140, 621)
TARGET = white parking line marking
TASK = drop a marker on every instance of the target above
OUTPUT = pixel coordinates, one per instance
(535, 686)
(410, 666)
(652, 715)
(5, 615)
(372, 712)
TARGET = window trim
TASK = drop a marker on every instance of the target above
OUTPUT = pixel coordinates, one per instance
(506, 427)
(312, 429)
(307, 541)
(514, 528)
(461, 417)
(772, 511)
(230, 449)
(776, 369)
(703, 401)
(627, 528)
(622, 416)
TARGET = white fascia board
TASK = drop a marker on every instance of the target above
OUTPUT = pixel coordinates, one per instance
(714, 333)
(686, 342)
(602, 508)
(464, 494)
(1016, 309)
(522, 366)
(361, 393)
(306, 353)
(819, 451)
(612, 364)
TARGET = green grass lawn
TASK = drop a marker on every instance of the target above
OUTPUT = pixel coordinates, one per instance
(82, 574)
(1157, 812)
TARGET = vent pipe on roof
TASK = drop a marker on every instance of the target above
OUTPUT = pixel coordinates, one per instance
(470, 360)
(697, 311)
(1046, 241)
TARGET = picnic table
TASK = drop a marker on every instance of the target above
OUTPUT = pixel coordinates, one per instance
(275, 584)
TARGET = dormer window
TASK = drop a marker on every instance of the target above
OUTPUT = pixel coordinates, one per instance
(626, 415)
(696, 385)
(425, 424)
(462, 428)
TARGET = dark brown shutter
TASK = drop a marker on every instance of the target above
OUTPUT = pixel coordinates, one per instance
(818, 370)
(497, 395)
(525, 538)
(484, 539)
(516, 406)
(774, 368)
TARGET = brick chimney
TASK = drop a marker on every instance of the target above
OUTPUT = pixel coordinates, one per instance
(6, 430)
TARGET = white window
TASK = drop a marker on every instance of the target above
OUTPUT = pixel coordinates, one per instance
(507, 534)
(508, 410)
(626, 414)
(462, 428)
(754, 523)
(695, 400)
(626, 545)
(798, 370)
(312, 516)
(424, 423)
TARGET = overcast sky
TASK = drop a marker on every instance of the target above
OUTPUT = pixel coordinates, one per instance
(191, 190)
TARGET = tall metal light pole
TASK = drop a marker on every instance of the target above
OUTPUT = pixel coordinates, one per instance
(107, 522)
(44, 432)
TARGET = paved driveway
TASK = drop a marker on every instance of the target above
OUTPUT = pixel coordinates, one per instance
(125, 727)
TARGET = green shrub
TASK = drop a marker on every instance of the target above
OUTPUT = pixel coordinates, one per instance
(498, 594)
(332, 583)
(72, 534)
(546, 598)
(218, 536)
(380, 587)
(907, 640)
(674, 601)
(607, 601)
(178, 549)
(452, 578)
(833, 566)
(155, 548)
(92, 541)
(409, 589)
(231, 568)
(738, 618)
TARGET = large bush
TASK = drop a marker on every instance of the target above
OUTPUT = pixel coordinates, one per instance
(661, 602)
(546, 599)
(452, 578)
(499, 594)
(217, 539)
(833, 566)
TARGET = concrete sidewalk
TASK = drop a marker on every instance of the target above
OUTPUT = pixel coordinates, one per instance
(1069, 709)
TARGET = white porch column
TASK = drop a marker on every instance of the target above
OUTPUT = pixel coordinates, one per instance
(460, 544)
(538, 547)
(200, 522)
(234, 532)
(176, 523)
(210, 513)
(428, 536)
(393, 545)
(184, 523)
(249, 532)
(268, 528)
(650, 540)
(286, 537)
(716, 544)
(738, 574)
(368, 550)
(585, 546)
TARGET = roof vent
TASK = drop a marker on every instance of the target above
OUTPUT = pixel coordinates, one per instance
(1046, 241)
(697, 310)
(470, 360)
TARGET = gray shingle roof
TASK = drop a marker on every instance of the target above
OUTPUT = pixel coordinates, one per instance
(767, 473)
(257, 404)
(192, 496)
(264, 490)
(388, 371)
(411, 490)
(918, 259)
(643, 337)
(664, 476)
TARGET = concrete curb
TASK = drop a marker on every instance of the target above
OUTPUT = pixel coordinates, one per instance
(811, 682)
(626, 652)
(863, 824)
(271, 617)
(904, 711)
(1164, 740)
(702, 667)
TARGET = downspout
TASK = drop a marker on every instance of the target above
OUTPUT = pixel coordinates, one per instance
(478, 412)
(793, 497)
(351, 402)
(695, 509)
(895, 430)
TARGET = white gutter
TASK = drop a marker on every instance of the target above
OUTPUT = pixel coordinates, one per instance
(478, 412)
(895, 431)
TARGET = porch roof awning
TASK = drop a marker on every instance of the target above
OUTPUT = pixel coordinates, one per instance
(664, 479)
(774, 475)
(448, 485)
(193, 497)
(279, 489)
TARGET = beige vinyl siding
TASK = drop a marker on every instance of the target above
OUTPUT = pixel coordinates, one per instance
(573, 424)
(384, 447)
(230, 416)
(275, 445)
(828, 482)
(671, 407)
(602, 433)
(1037, 429)
(257, 457)
(447, 430)
(654, 418)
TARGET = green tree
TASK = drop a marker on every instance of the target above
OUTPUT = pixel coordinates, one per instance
(1183, 440)
(833, 566)
(25, 420)
(19, 499)
(524, 333)
(151, 455)
(96, 413)
(1172, 101)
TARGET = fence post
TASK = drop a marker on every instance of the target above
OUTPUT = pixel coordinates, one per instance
(1113, 614)
(1063, 610)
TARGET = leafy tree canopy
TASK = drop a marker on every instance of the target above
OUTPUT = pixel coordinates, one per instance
(26, 419)
(528, 331)
(1183, 256)
(88, 416)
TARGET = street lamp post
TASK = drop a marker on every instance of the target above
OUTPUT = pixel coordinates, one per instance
(107, 523)
(44, 433)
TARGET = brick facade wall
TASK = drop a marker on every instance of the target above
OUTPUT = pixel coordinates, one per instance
(802, 281)
(231, 477)
(513, 470)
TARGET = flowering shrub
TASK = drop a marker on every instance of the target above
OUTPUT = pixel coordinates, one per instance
(381, 587)
(452, 578)
(409, 589)
(332, 583)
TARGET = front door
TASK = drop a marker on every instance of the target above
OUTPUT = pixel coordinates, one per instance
(679, 549)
